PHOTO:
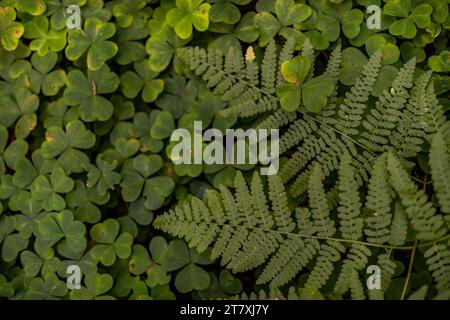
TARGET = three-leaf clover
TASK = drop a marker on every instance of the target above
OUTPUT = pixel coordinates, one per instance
(142, 80)
(49, 191)
(96, 286)
(287, 14)
(21, 105)
(61, 228)
(406, 26)
(33, 7)
(136, 173)
(85, 200)
(10, 30)
(440, 63)
(93, 40)
(49, 288)
(162, 44)
(111, 244)
(85, 92)
(312, 94)
(189, 13)
(103, 177)
(127, 10)
(44, 37)
(43, 78)
(65, 144)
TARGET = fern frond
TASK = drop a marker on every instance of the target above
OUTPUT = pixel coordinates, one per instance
(324, 226)
(269, 70)
(329, 253)
(277, 120)
(356, 287)
(440, 170)
(399, 226)
(349, 210)
(351, 111)
(429, 225)
(387, 267)
(356, 260)
(438, 261)
(281, 212)
(378, 202)
(422, 116)
(387, 112)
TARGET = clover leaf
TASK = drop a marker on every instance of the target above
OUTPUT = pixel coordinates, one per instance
(58, 11)
(13, 244)
(189, 13)
(85, 92)
(93, 40)
(44, 37)
(353, 62)
(406, 26)
(10, 31)
(126, 11)
(33, 7)
(193, 277)
(85, 201)
(156, 190)
(163, 126)
(49, 288)
(111, 244)
(96, 286)
(177, 95)
(21, 106)
(312, 94)
(224, 11)
(33, 264)
(142, 80)
(390, 52)
(65, 144)
(103, 177)
(61, 228)
(440, 63)
(134, 177)
(6, 288)
(287, 14)
(41, 76)
(162, 44)
(130, 48)
(165, 259)
(49, 191)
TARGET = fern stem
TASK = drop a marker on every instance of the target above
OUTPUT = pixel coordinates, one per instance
(369, 244)
(411, 261)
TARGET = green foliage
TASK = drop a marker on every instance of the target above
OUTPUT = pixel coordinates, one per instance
(87, 177)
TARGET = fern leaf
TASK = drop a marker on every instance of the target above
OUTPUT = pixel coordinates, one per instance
(356, 260)
(429, 226)
(349, 210)
(351, 111)
(399, 226)
(387, 112)
(318, 204)
(438, 261)
(387, 267)
(378, 202)
(440, 170)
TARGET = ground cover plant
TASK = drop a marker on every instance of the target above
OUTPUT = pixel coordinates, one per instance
(91, 92)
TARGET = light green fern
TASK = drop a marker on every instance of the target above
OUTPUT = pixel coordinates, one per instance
(255, 226)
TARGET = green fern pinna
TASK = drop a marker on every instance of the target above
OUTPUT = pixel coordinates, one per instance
(346, 197)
